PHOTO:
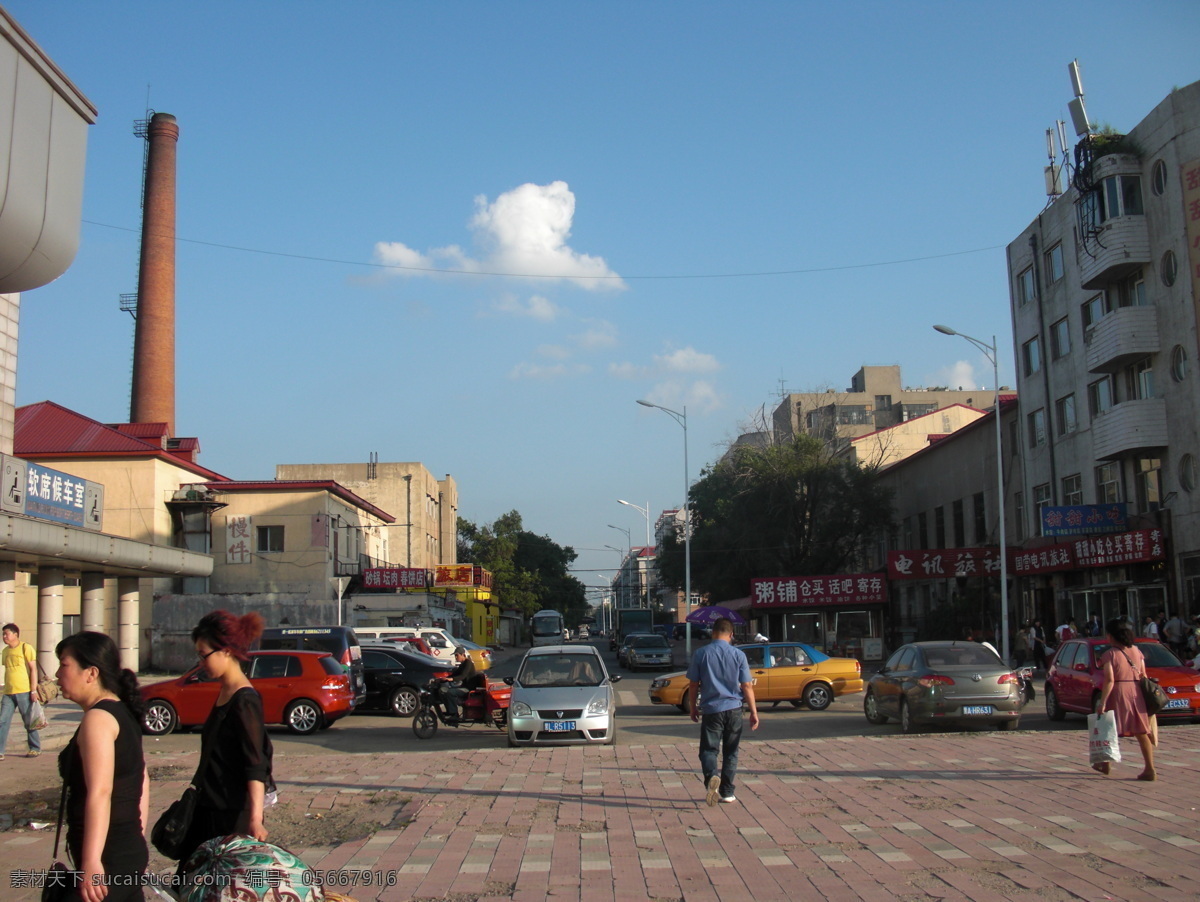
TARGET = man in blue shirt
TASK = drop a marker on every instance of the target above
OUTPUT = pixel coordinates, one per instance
(719, 678)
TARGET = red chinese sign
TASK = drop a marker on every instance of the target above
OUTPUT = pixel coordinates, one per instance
(461, 575)
(793, 591)
(1136, 546)
(943, 563)
(396, 578)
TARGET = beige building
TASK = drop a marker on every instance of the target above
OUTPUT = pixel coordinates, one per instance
(884, 447)
(875, 400)
(425, 508)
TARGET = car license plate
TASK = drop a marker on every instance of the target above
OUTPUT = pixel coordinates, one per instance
(559, 726)
(977, 709)
(1176, 703)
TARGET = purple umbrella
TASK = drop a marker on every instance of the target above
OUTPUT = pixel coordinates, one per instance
(712, 613)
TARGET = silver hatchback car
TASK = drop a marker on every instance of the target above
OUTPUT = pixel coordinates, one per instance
(562, 695)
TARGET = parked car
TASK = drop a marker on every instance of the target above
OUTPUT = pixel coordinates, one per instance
(415, 643)
(303, 690)
(562, 694)
(782, 672)
(481, 657)
(339, 641)
(1075, 678)
(647, 651)
(396, 676)
(679, 631)
(953, 683)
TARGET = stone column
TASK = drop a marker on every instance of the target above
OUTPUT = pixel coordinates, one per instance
(50, 615)
(8, 591)
(91, 593)
(129, 621)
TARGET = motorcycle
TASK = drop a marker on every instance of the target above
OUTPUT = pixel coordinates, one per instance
(482, 706)
(1025, 681)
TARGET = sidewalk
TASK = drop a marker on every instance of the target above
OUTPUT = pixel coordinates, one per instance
(983, 817)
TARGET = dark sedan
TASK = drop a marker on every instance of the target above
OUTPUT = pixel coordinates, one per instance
(952, 683)
(395, 678)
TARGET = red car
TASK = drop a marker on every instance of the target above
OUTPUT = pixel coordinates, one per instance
(303, 690)
(1076, 676)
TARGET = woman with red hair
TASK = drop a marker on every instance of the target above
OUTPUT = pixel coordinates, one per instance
(234, 740)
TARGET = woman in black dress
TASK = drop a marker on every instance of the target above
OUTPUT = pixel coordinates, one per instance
(233, 787)
(108, 788)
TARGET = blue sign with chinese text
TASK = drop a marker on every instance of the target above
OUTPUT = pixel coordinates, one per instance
(1084, 519)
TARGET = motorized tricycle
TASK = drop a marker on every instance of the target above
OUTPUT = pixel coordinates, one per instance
(485, 706)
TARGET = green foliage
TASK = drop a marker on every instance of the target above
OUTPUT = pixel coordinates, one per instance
(787, 509)
(529, 572)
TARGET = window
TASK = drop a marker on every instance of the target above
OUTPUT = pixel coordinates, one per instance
(908, 532)
(1072, 489)
(1149, 485)
(1108, 484)
(1025, 287)
(912, 411)
(1187, 473)
(1031, 356)
(1158, 179)
(1179, 363)
(939, 526)
(270, 539)
(1168, 269)
(1037, 428)
(1041, 498)
(1019, 516)
(883, 402)
(1060, 339)
(980, 520)
(1099, 396)
(1139, 380)
(1054, 263)
(854, 415)
(1093, 310)
(922, 530)
(1117, 195)
(960, 525)
(1064, 414)
(1129, 292)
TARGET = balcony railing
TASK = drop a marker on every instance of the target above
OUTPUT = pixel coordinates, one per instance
(1129, 427)
(1123, 336)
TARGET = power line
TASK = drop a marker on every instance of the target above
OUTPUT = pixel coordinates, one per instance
(577, 278)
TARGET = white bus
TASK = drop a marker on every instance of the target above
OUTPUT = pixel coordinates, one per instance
(546, 628)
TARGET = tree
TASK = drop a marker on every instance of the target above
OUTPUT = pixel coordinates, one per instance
(529, 572)
(786, 508)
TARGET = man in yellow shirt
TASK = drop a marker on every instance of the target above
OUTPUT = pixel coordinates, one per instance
(20, 676)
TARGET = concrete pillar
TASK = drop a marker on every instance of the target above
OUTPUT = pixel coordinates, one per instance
(129, 622)
(8, 592)
(50, 615)
(91, 593)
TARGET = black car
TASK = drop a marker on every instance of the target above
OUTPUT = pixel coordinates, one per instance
(395, 678)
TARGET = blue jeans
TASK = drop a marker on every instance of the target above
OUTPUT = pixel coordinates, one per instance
(452, 697)
(18, 701)
(721, 731)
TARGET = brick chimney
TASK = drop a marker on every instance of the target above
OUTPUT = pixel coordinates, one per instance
(153, 396)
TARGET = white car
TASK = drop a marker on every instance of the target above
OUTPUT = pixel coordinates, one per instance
(562, 695)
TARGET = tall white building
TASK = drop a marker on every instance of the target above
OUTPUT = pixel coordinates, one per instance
(1105, 288)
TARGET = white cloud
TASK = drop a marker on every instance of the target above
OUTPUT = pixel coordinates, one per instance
(547, 371)
(960, 374)
(554, 352)
(699, 396)
(626, 370)
(523, 232)
(676, 386)
(537, 307)
(599, 334)
(687, 360)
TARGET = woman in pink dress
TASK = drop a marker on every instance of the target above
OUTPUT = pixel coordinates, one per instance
(1124, 668)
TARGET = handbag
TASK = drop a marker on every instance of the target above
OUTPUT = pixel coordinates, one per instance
(35, 719)
(1152, 693)
(1103, 745)
(60, 880)
(46, 690)
(171, 829)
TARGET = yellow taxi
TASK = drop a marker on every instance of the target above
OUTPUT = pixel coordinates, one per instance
(781, 672)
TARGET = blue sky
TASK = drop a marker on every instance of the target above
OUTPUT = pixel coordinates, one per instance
(698, 204)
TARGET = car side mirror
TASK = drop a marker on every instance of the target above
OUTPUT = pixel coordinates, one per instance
(614, 678)
(509, 680)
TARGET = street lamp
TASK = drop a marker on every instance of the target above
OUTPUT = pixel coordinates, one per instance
(681, 418)
(990, 351)
(645, 512)
(628, 547)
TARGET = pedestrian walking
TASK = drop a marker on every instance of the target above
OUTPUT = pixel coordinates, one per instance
(1021, 651)
(1176, 634)
(1124, 668)
(20, 676)
(108, 787)
(719, 684)
(1149, 628)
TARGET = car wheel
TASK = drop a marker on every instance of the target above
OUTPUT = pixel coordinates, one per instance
(906, 722)
(303, 716)
(1008, 725)
(1053, 709)
(818, 696)
(425, 723)
(160, 718)
(404, 701)
(684, 707)
(871, 709)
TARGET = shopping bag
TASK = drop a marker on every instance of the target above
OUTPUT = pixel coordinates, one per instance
(1103, 744)
(36, 718)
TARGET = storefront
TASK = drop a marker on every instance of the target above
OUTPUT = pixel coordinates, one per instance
(839, 615)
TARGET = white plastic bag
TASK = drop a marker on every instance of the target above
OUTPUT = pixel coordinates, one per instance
(36, 719)
(1103, 744)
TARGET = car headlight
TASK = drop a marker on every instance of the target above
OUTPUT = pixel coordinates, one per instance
(520, 709)
(597, 706)
(658, 684)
